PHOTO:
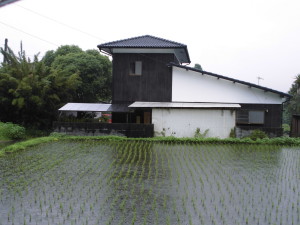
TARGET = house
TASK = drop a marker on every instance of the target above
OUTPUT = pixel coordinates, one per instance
(154, 85)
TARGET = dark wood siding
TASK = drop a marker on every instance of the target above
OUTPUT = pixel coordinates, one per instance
(272, 119)
(295, 126)
(273, 113)
(155, 83)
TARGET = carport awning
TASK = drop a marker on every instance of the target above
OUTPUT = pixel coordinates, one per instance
(94, 107)
(183, 105)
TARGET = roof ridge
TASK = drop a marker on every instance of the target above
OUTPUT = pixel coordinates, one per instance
(142, 36)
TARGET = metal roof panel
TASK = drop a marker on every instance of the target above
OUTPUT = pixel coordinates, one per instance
(182, 105)
(94, 107)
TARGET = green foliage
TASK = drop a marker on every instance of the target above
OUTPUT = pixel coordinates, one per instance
(286, 129)
(12, 131)
(257, 134)
(292, 107)
(198, 133)
(19, 146)
(281, 141)
(32, 91)
(232, 133)
(93, 70)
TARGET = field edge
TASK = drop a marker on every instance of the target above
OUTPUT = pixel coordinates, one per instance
(19, 146)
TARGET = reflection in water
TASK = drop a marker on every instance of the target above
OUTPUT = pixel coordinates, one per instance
(137, 182)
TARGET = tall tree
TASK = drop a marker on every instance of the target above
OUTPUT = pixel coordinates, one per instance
(93, 69)
(293, 106)
(32, 91)
(28, 94)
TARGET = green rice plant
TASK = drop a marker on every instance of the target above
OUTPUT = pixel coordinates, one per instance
(223, 186)
(134, 217)
(168, 220)
(190, 219)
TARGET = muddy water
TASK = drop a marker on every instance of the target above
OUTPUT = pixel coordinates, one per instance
(146, 183)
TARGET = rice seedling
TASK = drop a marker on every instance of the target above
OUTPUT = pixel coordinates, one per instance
(112, 182)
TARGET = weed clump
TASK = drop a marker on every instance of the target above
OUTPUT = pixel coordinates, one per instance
(257, 134)
(198, 133)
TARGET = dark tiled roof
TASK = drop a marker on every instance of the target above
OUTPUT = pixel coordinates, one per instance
(282, 94)
(146, 41)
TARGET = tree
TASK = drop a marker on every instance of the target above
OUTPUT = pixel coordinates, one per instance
(93, 69)
(293, 106)
(198, 66)
(32, 91)
(28, 94)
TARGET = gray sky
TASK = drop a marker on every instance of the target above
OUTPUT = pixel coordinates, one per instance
(235, 38)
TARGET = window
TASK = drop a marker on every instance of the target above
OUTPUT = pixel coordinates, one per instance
(250, 117)
(256, 117)
(136, 68)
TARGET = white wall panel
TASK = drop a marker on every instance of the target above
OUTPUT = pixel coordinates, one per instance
(184, 122)
(191, 86)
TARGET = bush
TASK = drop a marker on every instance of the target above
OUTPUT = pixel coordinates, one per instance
(12, 131)
(286, 129)
(232, 133)
(257, 134)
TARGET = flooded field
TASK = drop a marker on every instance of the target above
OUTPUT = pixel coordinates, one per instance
(118, 182)
(5, 143)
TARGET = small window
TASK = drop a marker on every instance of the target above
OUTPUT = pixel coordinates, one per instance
(136, 68)
(256, 117)
(250, 117)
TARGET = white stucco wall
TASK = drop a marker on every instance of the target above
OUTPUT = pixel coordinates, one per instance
(191, 86)
(184, 122)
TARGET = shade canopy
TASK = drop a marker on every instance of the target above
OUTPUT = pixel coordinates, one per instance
(94, 107)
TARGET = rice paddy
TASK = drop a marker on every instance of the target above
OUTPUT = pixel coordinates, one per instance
(139, 182)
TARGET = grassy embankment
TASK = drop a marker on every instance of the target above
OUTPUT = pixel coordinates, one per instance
(282, 141)
(2, 137)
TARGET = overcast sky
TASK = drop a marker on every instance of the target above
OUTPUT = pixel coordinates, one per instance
(235, 38)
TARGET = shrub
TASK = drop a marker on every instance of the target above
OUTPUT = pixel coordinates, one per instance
(232, 133)
(198, 133)
(257, 134)
(12, 131)
(286, 129)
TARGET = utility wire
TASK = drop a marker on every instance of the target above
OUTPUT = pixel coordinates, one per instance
(70, 27)
(41, 39)
(61, 23)
(73, 28)
(152, 58)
